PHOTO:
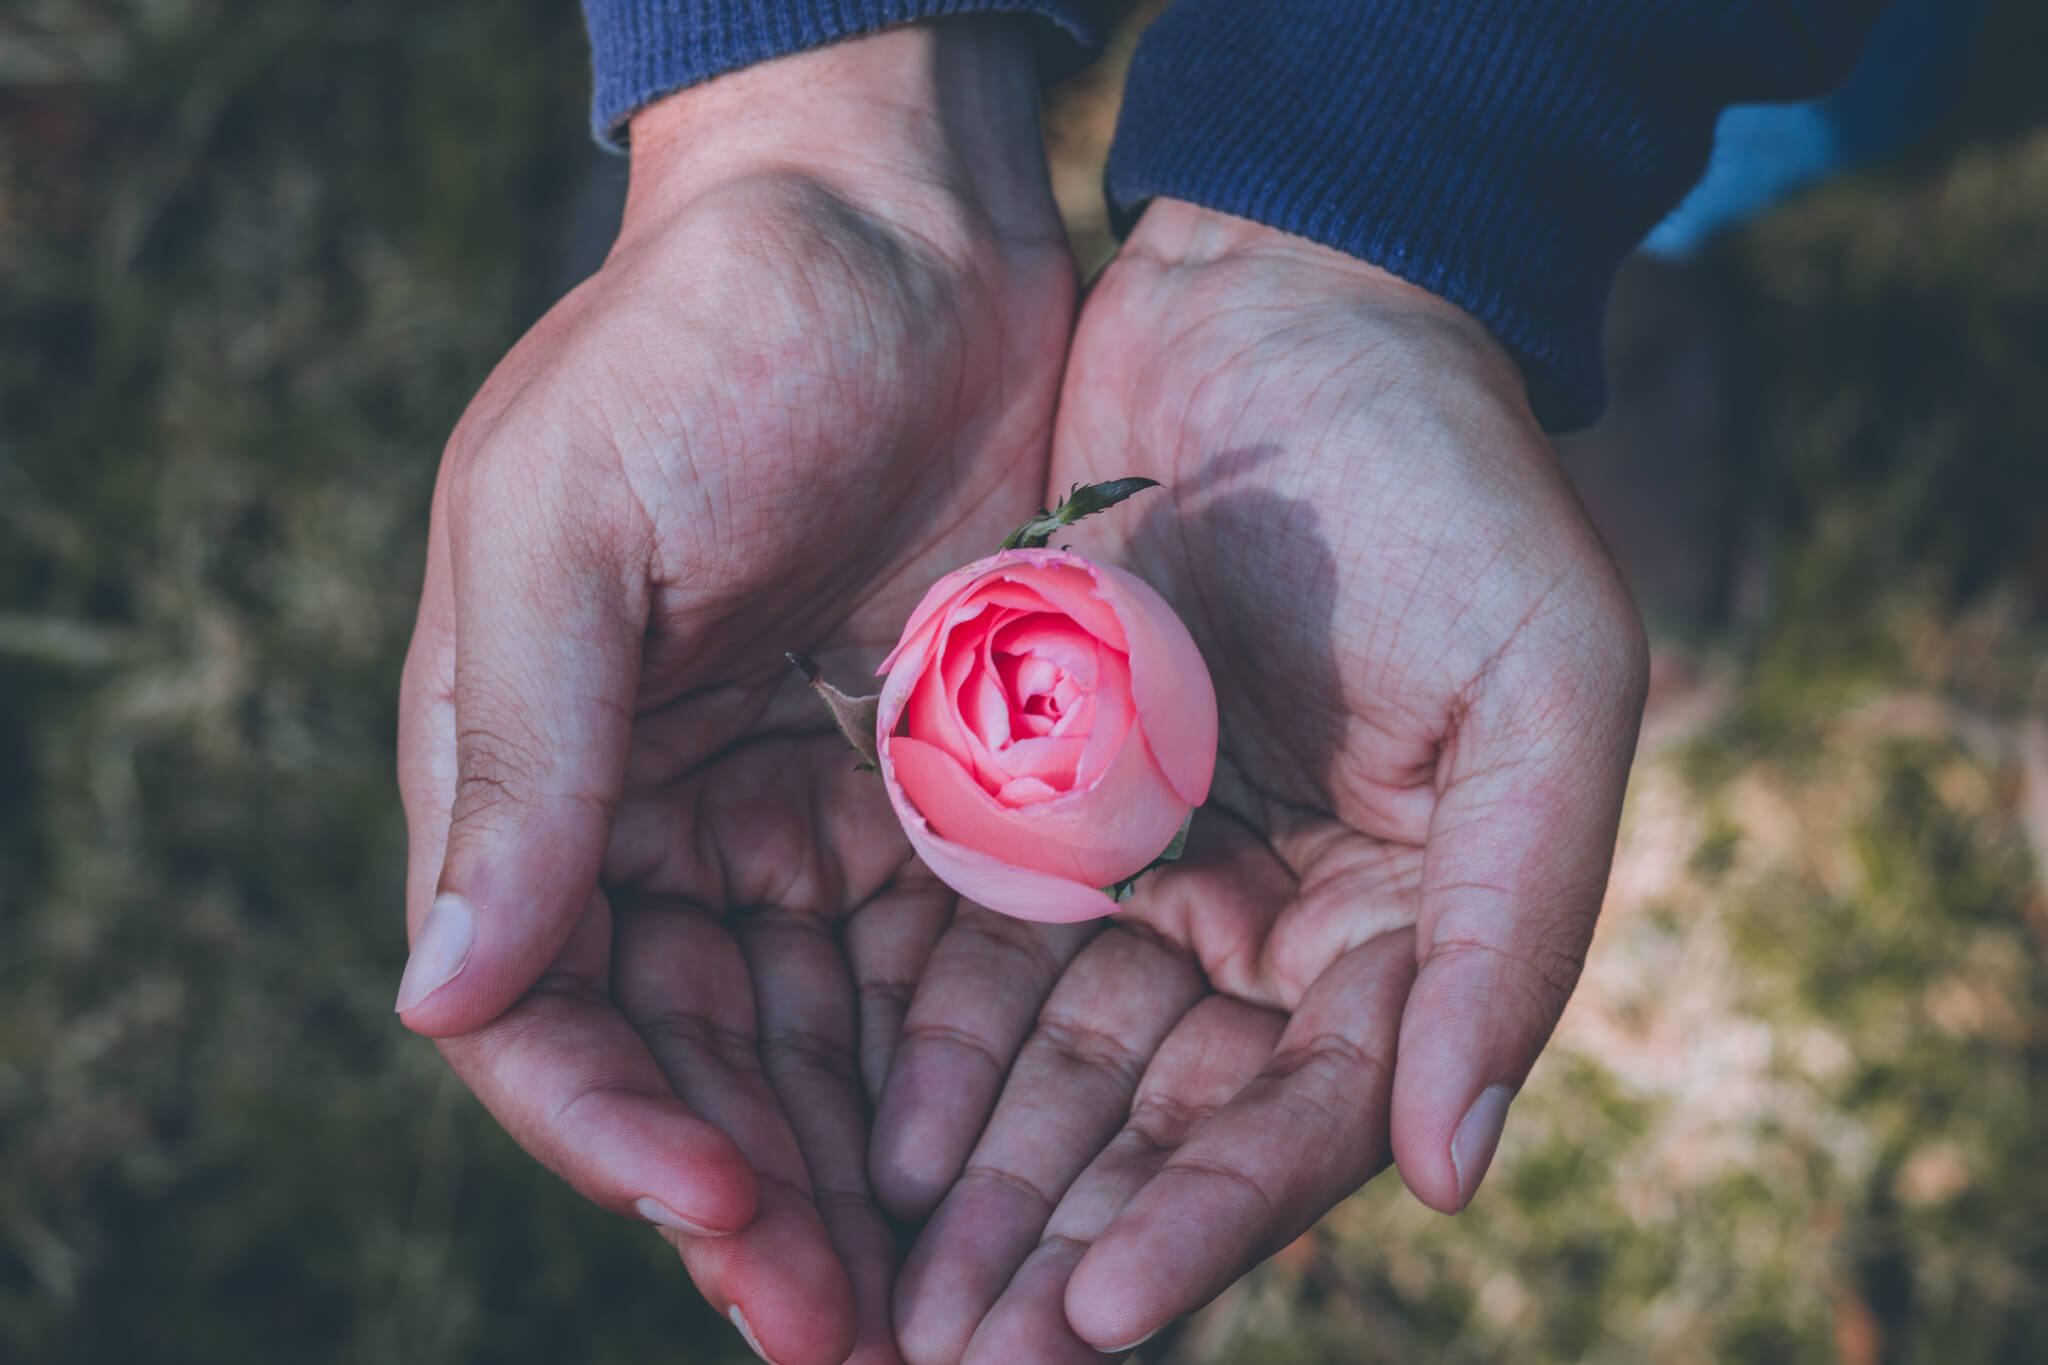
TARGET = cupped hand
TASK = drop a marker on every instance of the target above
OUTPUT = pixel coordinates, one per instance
(1429, 678)
(660, 926)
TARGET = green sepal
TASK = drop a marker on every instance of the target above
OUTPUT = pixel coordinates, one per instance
(1083, 500)
(1121, 891)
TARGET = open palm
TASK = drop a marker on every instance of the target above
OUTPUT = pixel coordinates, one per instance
(662, 928)
(1429, 679)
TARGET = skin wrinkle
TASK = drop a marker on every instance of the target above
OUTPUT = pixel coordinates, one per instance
(1558, 969)
(1498, 576)
(561, 1119)
(886, 423)
(1163, 1123)
(1088, 1049)
(812, 1050)
(1009, 1180)
(954, 1037)
(731, 1048)
(1181, 1166)
(487, 780)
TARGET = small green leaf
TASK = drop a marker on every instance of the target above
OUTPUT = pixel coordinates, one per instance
(1179, 844)
(1121, 891)
(1083, 500)
(855, 716)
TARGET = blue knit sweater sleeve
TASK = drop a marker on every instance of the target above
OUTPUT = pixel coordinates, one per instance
(641, 50)
(1503, 154)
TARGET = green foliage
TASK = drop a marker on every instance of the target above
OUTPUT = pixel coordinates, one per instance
(1082, 500)
(255, 258)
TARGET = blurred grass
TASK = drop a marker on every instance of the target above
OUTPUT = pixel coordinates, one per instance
(254, 257)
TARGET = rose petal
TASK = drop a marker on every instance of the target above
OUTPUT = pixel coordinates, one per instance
(1162, 762)
(984, 878)
(985, 708)
(933, 710)
(1052, 760)
(1064, 581)
(1109, 721)
(1024, 791)
(1055, 641)
(927, 616)
(1008, 890)
(1005, 889)
(1094, 838)
(1176, 701)
(1069, 586)
(933, 718)
(1077, 721)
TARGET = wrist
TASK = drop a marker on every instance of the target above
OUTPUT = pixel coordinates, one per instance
(1174, 234)
(938, 113)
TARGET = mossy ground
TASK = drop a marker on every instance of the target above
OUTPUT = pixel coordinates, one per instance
(253, 259)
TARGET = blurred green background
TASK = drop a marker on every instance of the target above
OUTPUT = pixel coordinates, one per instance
(254, 257)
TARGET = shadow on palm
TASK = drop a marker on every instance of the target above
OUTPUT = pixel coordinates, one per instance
(1427, 676)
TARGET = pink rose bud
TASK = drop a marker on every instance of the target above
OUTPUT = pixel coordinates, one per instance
(1046, 727)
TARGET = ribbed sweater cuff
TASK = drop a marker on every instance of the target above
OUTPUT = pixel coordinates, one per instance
(1503, 154)
(644, 49)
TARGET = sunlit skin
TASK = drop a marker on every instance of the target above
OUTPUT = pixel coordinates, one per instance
(1429, 679)
(823, 366)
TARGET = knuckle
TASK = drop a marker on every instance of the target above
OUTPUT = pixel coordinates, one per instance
(801, 1050)
(1163, 1122)
(1087, 1047)
(1328, 1081)
(938, 1033)
(494, 764)
(1026, 951)
(1537, 969)
(672, 1032)
(1013, 1182)
(1248, 1191)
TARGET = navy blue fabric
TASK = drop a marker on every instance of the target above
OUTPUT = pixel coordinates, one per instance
(1504, 154)
(641, 50)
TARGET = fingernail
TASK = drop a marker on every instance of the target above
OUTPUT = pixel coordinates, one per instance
(1120, 1350)
(1478, 1134)
(739, 1320)
(439, 952)
(661, 1215)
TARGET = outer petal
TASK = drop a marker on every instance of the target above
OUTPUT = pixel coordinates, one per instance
(1094, 837)
(1002, 888)
(936, 599)
(1070, 585)
(1065, 588)
(1169, 682)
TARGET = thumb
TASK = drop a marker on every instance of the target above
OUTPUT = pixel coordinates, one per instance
(1518, 855)
(549, 619)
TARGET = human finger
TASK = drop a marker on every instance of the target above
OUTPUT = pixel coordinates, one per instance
(550, 606)
(805, 1005)
(1067, 1095)
(1305, 1132)
(1213, 1052)
(976, 1002)
(684, 983)
(574, 1084)
(888, 941)
(1518, 853)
